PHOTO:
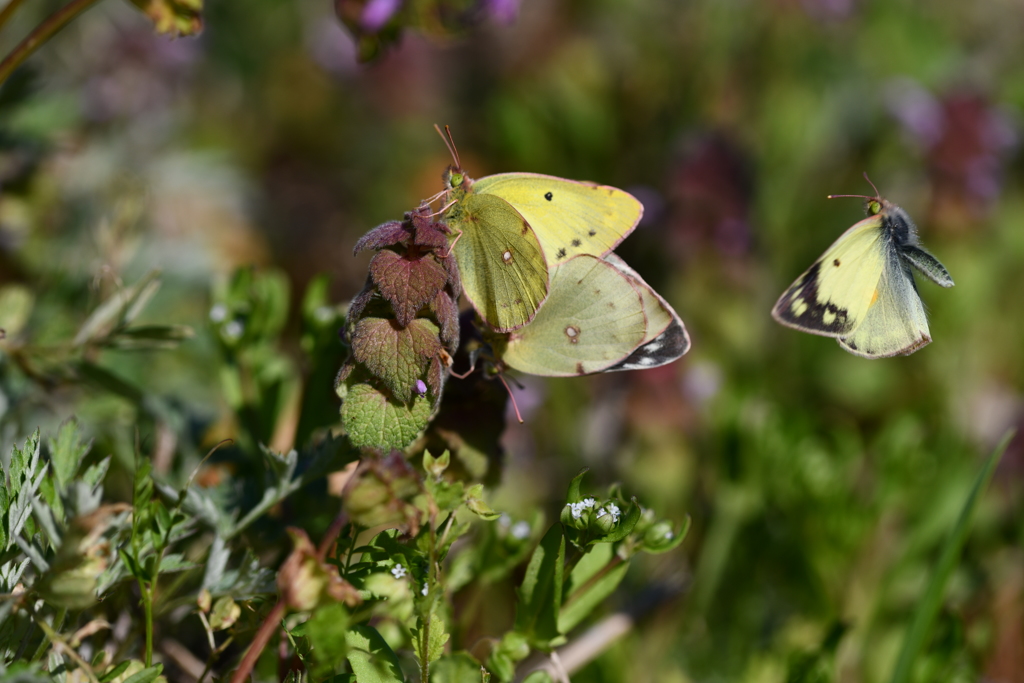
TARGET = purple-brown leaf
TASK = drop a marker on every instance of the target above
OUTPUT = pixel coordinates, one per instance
(407, 283)
(397, 354)
(451, 267)
(447, 313)
(384, 235)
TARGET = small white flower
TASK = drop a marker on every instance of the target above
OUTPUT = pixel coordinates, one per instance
(398, 571)
(218, 313)
(587, 503)
(615, 512)
(520, 530)
(504, 521)
(233, 330)
(669, 534)
(424, 591)
(323, 313)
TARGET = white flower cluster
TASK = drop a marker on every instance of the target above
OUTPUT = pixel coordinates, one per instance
(610, 509)
(578, 508)
(398, 571)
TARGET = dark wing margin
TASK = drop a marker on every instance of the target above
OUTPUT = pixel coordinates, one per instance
(799, 307)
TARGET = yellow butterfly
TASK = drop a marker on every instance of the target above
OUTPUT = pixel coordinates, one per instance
(511, 228)
(862, 290)
(600, 317)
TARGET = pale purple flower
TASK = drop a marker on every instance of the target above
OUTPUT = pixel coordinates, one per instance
(503, 11)
(376, 13)
(421, 387)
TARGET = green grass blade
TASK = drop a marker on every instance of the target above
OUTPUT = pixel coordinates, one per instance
(928, 608)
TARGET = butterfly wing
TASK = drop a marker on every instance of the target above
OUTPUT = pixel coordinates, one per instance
(895, 323)
(833, 296)
(665, 339)
(503, 270)
(593, 318)
(570, 217)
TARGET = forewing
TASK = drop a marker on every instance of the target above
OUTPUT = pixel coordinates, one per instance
(665, 338)
(832, 297)
(895, 323)
(503, 270)
(593, 318)
(570, 217)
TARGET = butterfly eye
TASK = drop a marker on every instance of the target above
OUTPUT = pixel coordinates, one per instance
(874, 207)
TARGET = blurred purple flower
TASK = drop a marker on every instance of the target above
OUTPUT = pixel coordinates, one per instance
(376, 13)
(421, 387)
(919, 112)
(504, 11)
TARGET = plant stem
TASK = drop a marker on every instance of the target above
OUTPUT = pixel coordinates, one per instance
(40, 34)
(147, 606)
(8, 10)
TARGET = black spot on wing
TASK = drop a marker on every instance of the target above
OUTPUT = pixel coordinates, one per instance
(835, 263)
(561, 253)
(576, 243)
(548, 196)
(579, 369)
(800, 307)
(526, 227)
(592, 232)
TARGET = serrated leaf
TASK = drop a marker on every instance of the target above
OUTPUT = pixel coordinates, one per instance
(445, 308)
(173, 17)
(395, 354)
(540, 595)
(407, 283)
(371, 419)
(451, 267)
(428, 234)
(384, 235)
(371, 659)
(429, 642)
(67, 450)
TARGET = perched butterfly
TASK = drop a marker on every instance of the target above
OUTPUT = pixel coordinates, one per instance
(600, 316)
(511, 228)
(862, 290)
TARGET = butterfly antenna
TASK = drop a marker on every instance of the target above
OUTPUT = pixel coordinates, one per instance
(857, 196)
(472, 369)
(449, 142)
(515, 406)
(877, 194)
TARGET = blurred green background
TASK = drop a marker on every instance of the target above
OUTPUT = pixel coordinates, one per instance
(821, 485)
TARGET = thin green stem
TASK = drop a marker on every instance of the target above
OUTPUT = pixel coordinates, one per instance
(42, 33)
(58, 624)
(147, 606)
(8, 11)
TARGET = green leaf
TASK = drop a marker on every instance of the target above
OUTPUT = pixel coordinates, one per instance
(150, 337)
(540, 595)
(928, 606)
(146, 675)
(661, 537)
(458, 667)
(371, 659)
(119, 309)
(371, 419)
(67, 450)
(574, 486)
(325, 630)
(538, 676)
(407, 283)
(428, 643)
(395, 354)
(115, 672)
(593, 579)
